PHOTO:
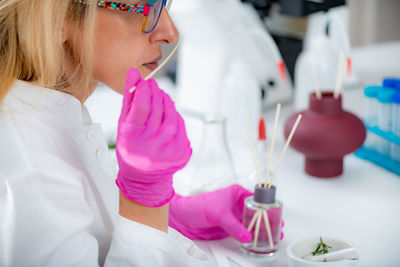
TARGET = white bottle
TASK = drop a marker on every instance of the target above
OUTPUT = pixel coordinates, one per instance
(326, 60)
(235, 95)
(327, 37)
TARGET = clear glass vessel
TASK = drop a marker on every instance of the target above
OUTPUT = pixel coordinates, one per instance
(212, 167)
(273, 208)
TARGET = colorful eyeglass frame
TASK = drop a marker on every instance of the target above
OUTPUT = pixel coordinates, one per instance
(151, 11)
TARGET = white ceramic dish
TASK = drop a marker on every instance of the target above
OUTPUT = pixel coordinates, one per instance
(296, 251)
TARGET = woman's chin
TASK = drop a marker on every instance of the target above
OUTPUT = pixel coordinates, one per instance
(144, 71)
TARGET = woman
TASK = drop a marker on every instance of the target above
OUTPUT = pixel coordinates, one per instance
(58, 199)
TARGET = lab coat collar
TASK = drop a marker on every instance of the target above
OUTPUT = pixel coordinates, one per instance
(61, 105)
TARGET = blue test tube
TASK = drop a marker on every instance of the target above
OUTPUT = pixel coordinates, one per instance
(391, 83)
(371, 115)
(394, 148)
(385, 96)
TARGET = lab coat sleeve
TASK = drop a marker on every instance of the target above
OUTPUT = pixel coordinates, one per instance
(46, 220)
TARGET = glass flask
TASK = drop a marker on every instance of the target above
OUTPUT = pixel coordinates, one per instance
(263, 203)
(212, 167)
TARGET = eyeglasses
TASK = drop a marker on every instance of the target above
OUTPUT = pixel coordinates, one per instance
(151, 11)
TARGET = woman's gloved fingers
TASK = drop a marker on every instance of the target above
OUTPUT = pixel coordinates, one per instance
(141, 106)
(179, 154)
(158, 109)
(182, 141)
(169, 124)
(233, 227)
(132, 78)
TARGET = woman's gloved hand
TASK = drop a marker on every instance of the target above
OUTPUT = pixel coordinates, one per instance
(211, 215)
(151, 142)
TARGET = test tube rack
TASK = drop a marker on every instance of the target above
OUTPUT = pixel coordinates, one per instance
(377, 158)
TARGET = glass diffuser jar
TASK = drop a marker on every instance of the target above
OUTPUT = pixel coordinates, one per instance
(263, 205)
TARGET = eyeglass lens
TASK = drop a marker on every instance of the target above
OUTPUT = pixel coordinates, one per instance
(155, 13)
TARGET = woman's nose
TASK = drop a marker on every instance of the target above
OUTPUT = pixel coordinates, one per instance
(165, 31)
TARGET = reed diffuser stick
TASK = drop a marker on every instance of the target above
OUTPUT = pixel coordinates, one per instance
(316, 80)
(272, 144)
(253, 220)
(285, 148)
(268, 227)
(151, 74)
(339, 75)
(257, 230)
(253, 150)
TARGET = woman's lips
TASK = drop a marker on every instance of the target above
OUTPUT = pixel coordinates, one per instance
(151, 66)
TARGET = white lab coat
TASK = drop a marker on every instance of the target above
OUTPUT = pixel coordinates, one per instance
(58, 198)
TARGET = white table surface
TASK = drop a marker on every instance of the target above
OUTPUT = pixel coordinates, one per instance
(361, 206)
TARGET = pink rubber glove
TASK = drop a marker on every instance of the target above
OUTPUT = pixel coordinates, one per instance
(211, 215)
(151, 143)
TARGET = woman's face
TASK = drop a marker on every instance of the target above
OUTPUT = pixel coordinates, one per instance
(120, 44)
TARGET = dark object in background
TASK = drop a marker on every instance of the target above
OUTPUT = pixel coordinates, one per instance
(297, 8)
(300, 8)
(290, 48)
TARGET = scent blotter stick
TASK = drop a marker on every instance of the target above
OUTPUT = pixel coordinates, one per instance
(257, 230)
(339, 75)
(161, 65)
(253, 220)
(268, 227)
(285, 147)
(316, 81)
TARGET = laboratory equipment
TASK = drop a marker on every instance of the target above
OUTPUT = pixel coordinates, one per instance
(286, 20)
(225, 61)
(262, 215)
(211, 167)
(391, 83)
(386, 151)
(325, 57)
(326, 134)
(341, 254)
(385, 96)
(297, 251)
(263, 206)
(261, 148)
(395, 148)
(298, 8)
(324, 50)
(371, 115)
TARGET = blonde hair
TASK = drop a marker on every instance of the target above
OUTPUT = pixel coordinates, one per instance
(32, 46)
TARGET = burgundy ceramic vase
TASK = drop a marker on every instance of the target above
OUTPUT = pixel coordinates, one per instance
(325, 134)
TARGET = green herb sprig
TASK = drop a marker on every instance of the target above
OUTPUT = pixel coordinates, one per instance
(322, 248)
(112, 145)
